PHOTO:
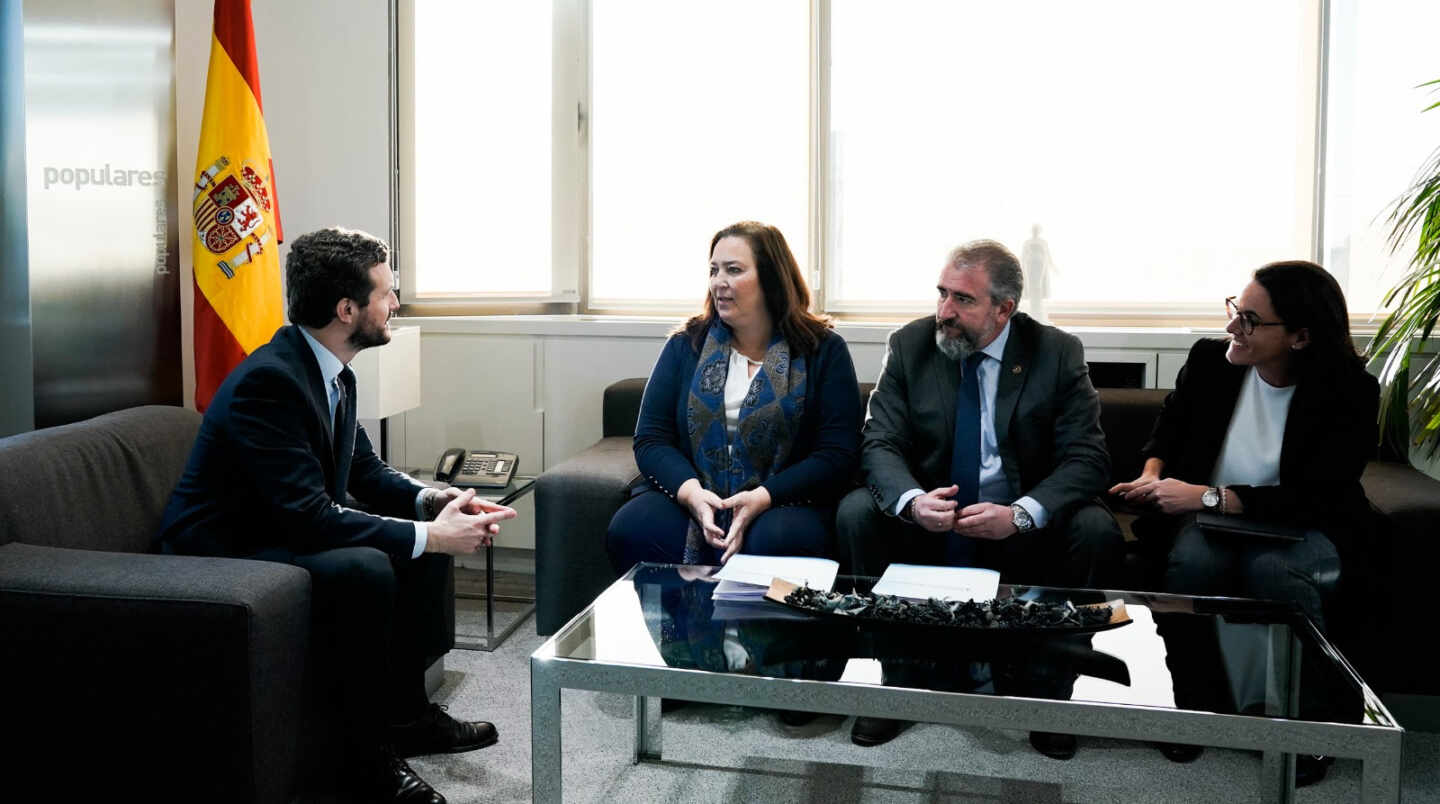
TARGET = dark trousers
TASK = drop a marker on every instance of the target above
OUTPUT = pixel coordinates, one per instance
(651, 527)
(1201, 564)
(375, 624)
(1080, 548)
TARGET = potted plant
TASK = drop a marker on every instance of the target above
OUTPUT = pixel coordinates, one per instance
(1410, 404)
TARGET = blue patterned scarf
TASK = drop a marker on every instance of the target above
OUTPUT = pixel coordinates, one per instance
(769, 420)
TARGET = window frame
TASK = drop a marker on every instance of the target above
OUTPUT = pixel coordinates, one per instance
(572, 267)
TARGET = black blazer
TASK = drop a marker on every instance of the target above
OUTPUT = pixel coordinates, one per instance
(1047, 417)
(265, 471)
(1330, 434)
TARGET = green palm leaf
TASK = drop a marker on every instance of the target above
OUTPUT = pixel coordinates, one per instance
(1410, 402)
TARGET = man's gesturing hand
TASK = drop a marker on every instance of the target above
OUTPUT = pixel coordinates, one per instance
(934, 510)
(466, 524)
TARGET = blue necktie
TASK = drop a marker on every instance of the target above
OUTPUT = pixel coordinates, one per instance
(965, 456)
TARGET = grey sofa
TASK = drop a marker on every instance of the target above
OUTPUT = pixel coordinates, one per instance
(127, 675)
(575, 500)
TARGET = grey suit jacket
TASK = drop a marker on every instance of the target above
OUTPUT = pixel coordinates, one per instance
(1047, 418)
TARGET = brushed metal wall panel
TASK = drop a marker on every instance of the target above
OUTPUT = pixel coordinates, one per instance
(17, 402)
(101, 178)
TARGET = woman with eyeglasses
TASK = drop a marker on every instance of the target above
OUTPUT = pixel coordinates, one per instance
(1274, 424)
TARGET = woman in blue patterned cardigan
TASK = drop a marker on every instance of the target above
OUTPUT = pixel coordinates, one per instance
(749, 427)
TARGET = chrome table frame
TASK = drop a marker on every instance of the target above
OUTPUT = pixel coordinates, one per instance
(1377, 747)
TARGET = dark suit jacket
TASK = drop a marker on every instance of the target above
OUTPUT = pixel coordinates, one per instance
(1330, 434)
(265, 471)
(1047, 418)
(821, 465)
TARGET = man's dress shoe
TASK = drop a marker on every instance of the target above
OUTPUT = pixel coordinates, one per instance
(1180, 752)
(391, 779)
(1055, 746)
(436, 732)
(796, 719)
(1311, 769)
(870, 731)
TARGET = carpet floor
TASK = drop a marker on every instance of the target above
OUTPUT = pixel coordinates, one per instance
(722, 754)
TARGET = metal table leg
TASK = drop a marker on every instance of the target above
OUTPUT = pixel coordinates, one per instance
(647, 729)
(545, 756)
(490, 640)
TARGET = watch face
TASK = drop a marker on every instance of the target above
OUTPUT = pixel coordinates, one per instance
(1210, 498)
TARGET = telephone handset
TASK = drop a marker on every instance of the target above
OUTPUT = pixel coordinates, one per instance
(476, 468)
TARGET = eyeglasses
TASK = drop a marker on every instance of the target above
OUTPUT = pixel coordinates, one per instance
(1248, 320)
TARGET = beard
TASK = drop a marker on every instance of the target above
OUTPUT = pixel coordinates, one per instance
(956, 348)
(366, 336)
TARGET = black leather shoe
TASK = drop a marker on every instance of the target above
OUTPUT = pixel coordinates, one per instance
(1055, 746)
(1311, 769)
(390, 779)
(1180, 752)
(871, 731)
(435, 732)
(795, 719)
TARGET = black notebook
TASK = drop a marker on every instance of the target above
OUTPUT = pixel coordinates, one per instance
(1220, 524)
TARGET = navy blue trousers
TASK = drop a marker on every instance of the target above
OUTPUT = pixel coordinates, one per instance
(651, 527)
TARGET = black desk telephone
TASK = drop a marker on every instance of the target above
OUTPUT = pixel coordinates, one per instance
(477, 468)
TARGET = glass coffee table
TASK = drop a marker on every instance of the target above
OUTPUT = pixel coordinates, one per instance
(657, 633)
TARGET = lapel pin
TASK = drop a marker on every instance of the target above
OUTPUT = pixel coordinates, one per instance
(1015, 369)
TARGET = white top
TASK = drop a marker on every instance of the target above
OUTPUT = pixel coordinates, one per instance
(1251, 453)
(737, 385)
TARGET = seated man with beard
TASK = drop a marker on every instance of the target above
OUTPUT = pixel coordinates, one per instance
(982, 447)
(277, 458)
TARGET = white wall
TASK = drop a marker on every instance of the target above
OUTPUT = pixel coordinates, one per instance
(324, 83)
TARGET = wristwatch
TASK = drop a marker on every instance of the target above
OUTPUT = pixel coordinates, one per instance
(907, 514)
(1021, 519)
(1211, 499)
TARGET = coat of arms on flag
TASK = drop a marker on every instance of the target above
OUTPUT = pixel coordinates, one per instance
(228, 219)
(238, 300)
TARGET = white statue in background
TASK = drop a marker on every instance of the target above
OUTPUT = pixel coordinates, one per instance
(1039, 268)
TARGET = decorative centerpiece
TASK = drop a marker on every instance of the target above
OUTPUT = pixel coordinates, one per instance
(1009, 614)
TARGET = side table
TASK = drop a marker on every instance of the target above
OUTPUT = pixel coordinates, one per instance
(520, 485)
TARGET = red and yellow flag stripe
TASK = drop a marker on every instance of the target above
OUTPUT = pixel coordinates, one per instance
(236, 221)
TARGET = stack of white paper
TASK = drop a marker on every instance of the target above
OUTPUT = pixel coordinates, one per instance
(746, 577)
(918, 582)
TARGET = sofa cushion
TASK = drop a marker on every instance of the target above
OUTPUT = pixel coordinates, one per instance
(100, 484)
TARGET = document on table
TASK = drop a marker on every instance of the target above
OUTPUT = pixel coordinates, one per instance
(918, 582)
(746, 577)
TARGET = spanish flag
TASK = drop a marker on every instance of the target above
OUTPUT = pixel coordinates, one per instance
(238, 305)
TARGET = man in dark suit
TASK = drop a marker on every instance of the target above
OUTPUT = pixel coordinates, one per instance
(278, 455)
(982, 447)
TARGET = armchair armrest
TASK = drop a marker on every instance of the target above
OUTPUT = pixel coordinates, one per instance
(196, 664)
(574, 502)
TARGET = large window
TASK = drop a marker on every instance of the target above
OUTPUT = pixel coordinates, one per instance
(1376, 137)
(1156, 152)
(701, 118)
(1158, 169)
(476, 157)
